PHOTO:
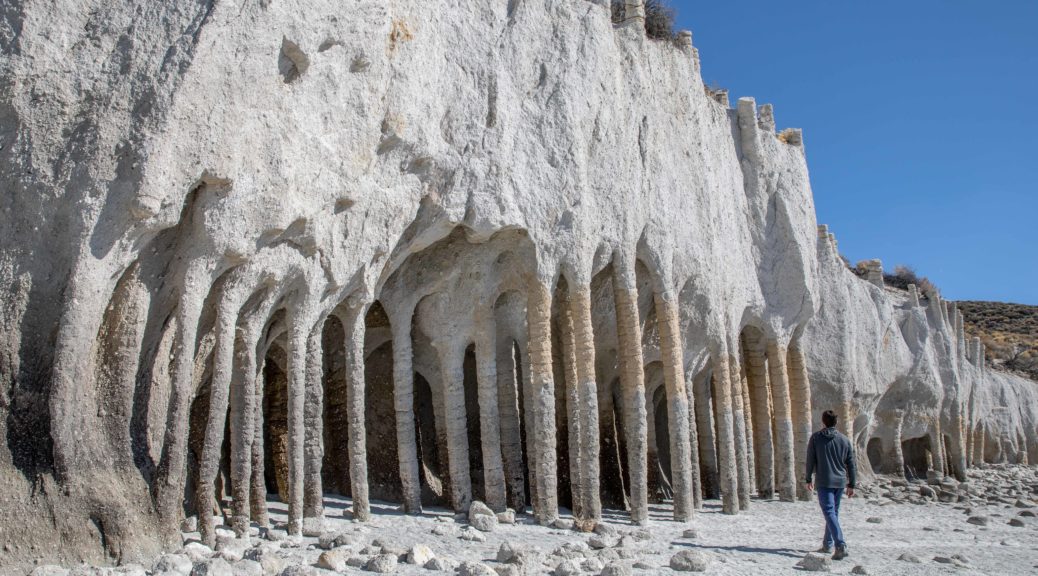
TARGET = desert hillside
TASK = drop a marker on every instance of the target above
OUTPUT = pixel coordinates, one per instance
(1009, 331)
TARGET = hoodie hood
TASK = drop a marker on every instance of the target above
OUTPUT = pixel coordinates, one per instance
(829, 432)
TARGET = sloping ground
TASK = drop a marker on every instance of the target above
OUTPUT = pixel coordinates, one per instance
(1009, 331)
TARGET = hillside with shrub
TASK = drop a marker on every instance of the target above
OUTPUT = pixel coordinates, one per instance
(1009, 331)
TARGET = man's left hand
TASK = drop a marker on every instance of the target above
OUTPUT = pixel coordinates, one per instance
(850, 492)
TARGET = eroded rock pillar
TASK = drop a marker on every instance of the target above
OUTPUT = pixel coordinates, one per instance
(508, 409)
(542, 392)
(573, 417)
(727, 465)
(760, 398)
(800, 401)
(897, 466)
(669, 326)
(693, 440)
(739, 430)
(706, 429)
(456, 420)
(403, 407)
(747, 411)
(489, 423)
(243, 414)
(313, 497)
(632, 394)
(785, 461)
(353, 324)
(937, 446)
(584, 348)
(223, 358)
(296, 368)
(258, 480)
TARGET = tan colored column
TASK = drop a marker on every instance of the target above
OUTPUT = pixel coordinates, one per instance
(208, 468)
(800, 400)
(489, 420)
(723, 418)
(785, 461)
(456, 420)
(760, 398)
(508, 409)
(296, 368)
(243, 412)
(530, 423)
(693, 441)
(747, 411)
(669, 326)
(542, 388)
(573, 433)
(258, 480)
(632, 390)
(739, 429)
(584, 348)
(357, 447)
(705, 428)
(313, 496)
(898, 465)
(403, 407)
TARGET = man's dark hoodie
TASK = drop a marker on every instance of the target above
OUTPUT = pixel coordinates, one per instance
(831, 455)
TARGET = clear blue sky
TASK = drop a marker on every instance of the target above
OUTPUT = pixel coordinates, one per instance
(920, 122)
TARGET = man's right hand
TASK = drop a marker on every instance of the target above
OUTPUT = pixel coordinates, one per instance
(810, 487)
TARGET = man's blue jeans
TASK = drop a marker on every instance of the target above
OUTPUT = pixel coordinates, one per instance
(829, 499)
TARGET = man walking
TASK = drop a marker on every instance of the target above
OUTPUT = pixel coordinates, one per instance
(831, 455)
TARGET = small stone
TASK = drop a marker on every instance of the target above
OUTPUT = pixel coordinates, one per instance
(475, 569)
(471, 535)
(442, 530)
(641, 535)
(506, 517)
(609, 555)
(874, 520)
(643, 566)
(860, 571)
(927, 492)
(178, 564)
(189, 524)
(381, 564)
(212, 567)
(437, 564)
(615, 569)
(313, 527)
(604, 529)
(593, 565)
(569, 567)
(562, 524)
(910, 558)
(357, 561)
(420, 554)
(1016, 523)
(599, 541)
(943, 560)
(929, 529)
(689, 561)
(961, 558)
(371, 550)
(300, 570)
(197, 551)
(1028, 514)
(333, 560)
(232, 549)
(690, 533)
(49, 570)
(977, 520)
(483, 523)
(508, 570)
(248, 568)
(478, 508)
(816, 563)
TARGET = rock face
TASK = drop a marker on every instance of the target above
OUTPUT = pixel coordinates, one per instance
(276, 218)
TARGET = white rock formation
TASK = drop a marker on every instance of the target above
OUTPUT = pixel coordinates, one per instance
(341, 231)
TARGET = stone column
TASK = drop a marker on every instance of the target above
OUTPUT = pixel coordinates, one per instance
(632, 390)
(739, 430)
(937, 446)
(573, 430)
(208, 466)
(243, 413)
(800, 401)
(258, 480)
(353, 324)
(530, 422)
(669, 326)
(542, 388)
(452, 360)
(747, 411)
(898, 465)
(760, 398)
(489, 422)
(296, 368)
(403, 407)
(728, 468)
(693, 438)
(584, 348)
(707, 441)
(313, 498)
(508, 409)
(785, 461)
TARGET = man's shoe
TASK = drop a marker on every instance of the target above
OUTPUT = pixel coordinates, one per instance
(825, 550)
(841, 553)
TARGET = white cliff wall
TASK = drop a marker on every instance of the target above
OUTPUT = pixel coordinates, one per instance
(196, 190)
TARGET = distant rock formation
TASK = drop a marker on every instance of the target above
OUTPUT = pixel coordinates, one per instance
(509, 251)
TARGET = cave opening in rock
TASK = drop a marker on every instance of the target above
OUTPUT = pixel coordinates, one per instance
(704, 409)
(660, 426)
(918, 456)
(874, 450)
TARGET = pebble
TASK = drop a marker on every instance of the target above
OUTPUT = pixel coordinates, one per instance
(689, 561)
(816, 562)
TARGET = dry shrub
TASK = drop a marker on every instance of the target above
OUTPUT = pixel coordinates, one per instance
(659, 18)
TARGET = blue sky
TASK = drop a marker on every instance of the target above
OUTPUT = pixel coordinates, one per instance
(920, 122)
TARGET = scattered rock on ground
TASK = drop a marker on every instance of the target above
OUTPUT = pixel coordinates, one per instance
(475, 569)
(381, 564)
(910, 558)
(815, 562)
(689, 561)
(977, 520)
(333, 560)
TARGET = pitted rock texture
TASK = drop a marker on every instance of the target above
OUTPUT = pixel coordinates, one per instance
(413, 253)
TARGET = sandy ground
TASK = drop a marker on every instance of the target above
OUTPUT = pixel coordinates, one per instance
(886, 520)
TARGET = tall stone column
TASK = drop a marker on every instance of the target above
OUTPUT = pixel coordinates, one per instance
(313, 497)
(542, 392)
(784, 444)
(760, 398)
(353, 324)
(937, 446)
(584, 348)
(632, 390)
(403, 407)
(530, 420)
(456, 420)
(220, 383)
(489, 419)
(508, 409)
(669, 326)
(693, 440)
(739, 429)
(800, 400)
(243, 412)
(258, 480)
(573, 417)
(707, 439)
(296, 368)
(747, 411)
(728, 467)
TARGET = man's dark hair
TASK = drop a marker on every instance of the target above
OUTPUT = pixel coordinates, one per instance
(829, 418)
